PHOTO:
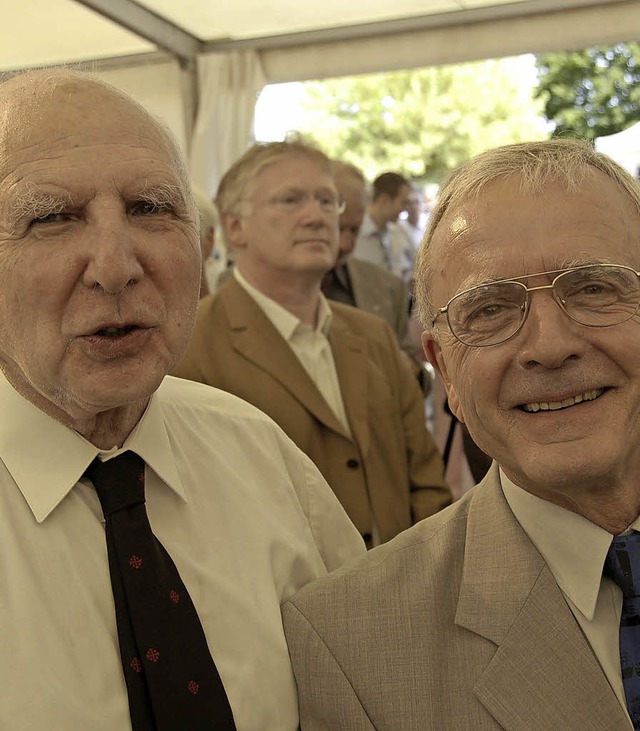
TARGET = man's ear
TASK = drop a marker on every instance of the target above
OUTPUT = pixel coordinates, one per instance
(233, 225)
(434, 354)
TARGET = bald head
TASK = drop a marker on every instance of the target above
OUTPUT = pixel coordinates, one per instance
(351, 186)
(50, 100)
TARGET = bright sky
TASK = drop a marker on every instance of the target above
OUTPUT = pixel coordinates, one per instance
(279, 107)
(278, 111)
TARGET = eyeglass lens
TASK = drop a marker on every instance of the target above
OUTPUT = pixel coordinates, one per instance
(596, 296)
(293, 200)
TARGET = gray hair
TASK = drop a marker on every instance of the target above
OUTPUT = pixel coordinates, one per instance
(238, 182)
(537, 164)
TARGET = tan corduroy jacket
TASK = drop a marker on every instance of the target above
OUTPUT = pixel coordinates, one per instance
(456, 625)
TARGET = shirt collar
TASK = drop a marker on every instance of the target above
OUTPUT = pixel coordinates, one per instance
(46, 458)
(573, 547)
(286, 323)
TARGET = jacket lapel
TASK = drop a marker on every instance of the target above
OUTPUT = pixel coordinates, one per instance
(544, 674)
(256, 339)
(350, 355)
(362, 289)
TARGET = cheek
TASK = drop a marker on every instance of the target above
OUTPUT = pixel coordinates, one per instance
(182, 281)
(31, 293)
(468, 380)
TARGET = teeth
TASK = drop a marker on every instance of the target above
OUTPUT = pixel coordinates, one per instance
(532, 408)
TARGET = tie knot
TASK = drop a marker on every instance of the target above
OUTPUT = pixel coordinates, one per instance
(119, 482)
(622, 564)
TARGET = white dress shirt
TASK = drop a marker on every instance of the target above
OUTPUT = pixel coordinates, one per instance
(575, 549)
(373, 244)
(245, 515)
(309, 344)
(405, 242)
(378, 246)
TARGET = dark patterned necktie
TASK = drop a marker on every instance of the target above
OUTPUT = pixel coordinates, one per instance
(622, 566)
(172, 681)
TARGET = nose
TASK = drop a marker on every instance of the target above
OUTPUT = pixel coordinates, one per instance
(113, 261)
(549, 337)
(312, 210)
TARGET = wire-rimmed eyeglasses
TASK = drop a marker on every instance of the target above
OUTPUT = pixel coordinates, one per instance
(595, 295)
(293, 200)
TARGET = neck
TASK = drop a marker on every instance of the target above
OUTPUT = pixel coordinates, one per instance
(613, 507)
(377, 216)
(105, 428)
(110, 429)
(297, 292)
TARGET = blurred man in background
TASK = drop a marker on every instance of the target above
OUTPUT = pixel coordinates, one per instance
(331, 375)
(389, 198)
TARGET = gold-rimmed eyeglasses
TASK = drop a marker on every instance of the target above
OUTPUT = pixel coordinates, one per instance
(595, 295)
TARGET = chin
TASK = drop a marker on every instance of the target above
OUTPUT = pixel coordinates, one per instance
(105, 392)
(561, 466)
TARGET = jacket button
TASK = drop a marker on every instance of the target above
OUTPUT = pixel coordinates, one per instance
(353, 464)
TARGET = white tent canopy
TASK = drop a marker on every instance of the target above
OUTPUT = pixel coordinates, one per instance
(199, 64)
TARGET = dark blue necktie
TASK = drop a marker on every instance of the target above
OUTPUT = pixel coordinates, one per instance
(622, 566)
(172, 681)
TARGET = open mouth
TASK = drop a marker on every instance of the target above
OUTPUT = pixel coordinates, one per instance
(566, 403)
(115, 332)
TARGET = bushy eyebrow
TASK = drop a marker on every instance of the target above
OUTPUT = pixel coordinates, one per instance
(164, 194)
(35, 203)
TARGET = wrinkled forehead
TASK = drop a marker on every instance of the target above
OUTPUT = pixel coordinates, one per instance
(42, 108)
(507, 229)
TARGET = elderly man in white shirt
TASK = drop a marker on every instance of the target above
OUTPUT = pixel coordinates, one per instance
(99, 281)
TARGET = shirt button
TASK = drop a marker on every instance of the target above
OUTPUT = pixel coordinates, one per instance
(353, 464)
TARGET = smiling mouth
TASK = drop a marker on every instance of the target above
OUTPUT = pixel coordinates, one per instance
(566, 403)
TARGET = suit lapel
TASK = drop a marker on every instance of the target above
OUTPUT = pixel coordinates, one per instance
(256, 339)
(361, 292)
(544, 674)
(350, 355)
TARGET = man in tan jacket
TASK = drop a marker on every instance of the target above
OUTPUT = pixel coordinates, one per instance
(332, 376)
(506, 610)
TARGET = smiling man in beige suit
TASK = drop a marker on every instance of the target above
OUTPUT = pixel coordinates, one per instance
(504, 610)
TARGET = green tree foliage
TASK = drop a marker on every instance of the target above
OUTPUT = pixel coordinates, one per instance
(423, 123)
(593, 92)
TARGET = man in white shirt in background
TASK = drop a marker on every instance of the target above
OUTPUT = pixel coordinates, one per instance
(406, 234)
(100, 272)
(331, 375)
(389, 198)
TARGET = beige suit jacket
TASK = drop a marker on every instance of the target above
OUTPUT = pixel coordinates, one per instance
(456, 625)
(390, 458)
